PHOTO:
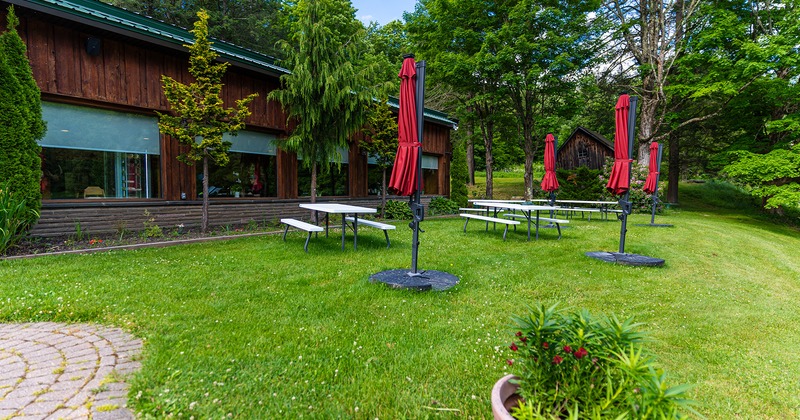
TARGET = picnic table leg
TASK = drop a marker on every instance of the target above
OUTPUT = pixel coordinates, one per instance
(466, 220)
(355, 230)
(316, 222)
(284, 233)
(537, 225)
(528, 216)
(307, 239)
(386, 233)
(344, 229)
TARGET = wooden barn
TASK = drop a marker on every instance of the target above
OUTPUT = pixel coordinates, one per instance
(105, 164)
(584, 148)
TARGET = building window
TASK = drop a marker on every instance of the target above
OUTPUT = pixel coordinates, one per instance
(252, 170)
(93, 153)
(430, 174)
(331, 181)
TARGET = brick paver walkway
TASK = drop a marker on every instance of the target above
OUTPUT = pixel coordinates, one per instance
(61, 371)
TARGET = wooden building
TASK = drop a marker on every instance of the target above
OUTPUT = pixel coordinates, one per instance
(99, 68)
(584, 148)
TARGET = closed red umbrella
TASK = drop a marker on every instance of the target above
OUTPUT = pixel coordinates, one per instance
(620, 179)
(549, 182)
(404, 173)
(651, 184)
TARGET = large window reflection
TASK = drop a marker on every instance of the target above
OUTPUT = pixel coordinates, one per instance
(71, 173)
(331, 181)
(249, 175)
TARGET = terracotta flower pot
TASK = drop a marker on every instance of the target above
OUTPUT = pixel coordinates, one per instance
(504, 398)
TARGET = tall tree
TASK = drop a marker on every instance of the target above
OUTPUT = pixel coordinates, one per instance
(21, 123)
(652, 34)
(198, 118)
(332, 81)
(452, 36)
(540, 48)
(382, 130)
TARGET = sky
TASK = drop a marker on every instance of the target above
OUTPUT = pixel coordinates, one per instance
(382, 11)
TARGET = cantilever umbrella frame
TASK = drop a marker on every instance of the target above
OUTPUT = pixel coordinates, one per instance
(622, 257)
(657, 175)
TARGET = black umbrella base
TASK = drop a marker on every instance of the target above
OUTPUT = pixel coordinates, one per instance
(654, 225)
(626, 259)
(423, 280)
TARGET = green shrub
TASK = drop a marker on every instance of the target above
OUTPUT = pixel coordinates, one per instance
(397, 210)
(580, 184)
(16, 216)
(573, 365)
(458, 175)
(640, 201)
(441, 205)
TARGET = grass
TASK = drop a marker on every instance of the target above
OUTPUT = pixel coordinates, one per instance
(256, 328)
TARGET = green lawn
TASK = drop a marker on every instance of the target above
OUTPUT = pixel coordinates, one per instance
(259, 329)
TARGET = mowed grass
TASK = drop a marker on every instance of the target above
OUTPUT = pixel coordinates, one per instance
(256, 328)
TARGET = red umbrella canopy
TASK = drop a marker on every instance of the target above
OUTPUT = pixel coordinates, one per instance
(549, 182)
(404, 173)
(620, 179)
(651, 184)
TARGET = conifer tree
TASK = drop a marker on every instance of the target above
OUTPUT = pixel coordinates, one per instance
(21, 123)
(198, 117)
(331, 84)
(382, 129)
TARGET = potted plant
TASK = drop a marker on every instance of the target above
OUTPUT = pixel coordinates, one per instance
(569, 364)
(236, 189)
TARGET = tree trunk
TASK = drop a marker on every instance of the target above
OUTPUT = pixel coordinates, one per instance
(470, 155)
(204, 220)
(527, 135)
(488, 139)
(674, 168)
(383, 195)
(646, 119)
(314, 182)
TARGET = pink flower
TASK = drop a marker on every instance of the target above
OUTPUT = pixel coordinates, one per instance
(513, 347)
(510, 362)
(581, 353)
(545, 345)
(523, 339)
(568, 349)
(519, 333)
(557, 360)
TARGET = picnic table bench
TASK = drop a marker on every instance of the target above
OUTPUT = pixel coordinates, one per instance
(557, 222)
(308, 227)
(488, 219)
(383, 226)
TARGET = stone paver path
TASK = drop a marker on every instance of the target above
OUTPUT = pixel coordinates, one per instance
(61, 371)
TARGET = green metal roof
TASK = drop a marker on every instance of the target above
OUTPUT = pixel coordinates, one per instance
(114, 19)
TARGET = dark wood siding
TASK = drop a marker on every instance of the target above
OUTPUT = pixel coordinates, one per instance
(583, 150)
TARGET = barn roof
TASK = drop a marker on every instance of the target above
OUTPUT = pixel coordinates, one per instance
(592, 135)
(120, 21)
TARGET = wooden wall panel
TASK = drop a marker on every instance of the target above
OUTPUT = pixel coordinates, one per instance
(67, 63)
(569, 155)
(115, 75)
(42, 55)
(287, 174)
(134, 65)
(92, 71)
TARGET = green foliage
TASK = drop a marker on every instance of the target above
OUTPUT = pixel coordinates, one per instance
(382, 130)
(774, 177)
(397, 210)
(198, 119)
(571, 364)
(441, 206)
(21, 123)
(151, 228)
(331, 84)
(640, 201)
(459, 175)
(580, 184)
(16, 217)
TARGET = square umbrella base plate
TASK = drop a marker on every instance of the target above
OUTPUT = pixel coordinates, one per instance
(423, 280)
(626, 259)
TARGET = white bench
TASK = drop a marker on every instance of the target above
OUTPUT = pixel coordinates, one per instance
(557, 222)
(383, 226)
(488, 219)
(308, 227)
(475, 209)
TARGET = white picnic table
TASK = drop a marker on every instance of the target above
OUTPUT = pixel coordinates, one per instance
(526, 209)
(597, 206)
(344, 210)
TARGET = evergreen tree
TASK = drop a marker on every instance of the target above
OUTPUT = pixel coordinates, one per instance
(382, 129)
(458, 173)
(199, 119)
(21, 123)
(332, 81)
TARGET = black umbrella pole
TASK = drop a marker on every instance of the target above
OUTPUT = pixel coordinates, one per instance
(418, 209)
(626, 206)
